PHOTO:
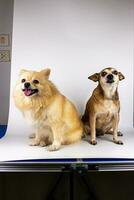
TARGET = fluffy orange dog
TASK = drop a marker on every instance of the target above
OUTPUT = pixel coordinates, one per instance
(103, 107)
(54, 118)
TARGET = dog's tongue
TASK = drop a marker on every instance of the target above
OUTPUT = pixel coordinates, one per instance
(27, 92)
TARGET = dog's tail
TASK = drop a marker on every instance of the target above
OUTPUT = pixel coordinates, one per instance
(85, 117)
(85, 120)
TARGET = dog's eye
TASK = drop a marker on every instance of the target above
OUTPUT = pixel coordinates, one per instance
(103, 74)
(115, 72)
(35, 81)
(23, 80)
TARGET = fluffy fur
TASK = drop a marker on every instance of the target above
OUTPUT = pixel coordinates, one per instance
(102, 109)
(54, 118)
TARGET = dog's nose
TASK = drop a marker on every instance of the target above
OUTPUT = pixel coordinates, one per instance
(27, 85)
(110, 77)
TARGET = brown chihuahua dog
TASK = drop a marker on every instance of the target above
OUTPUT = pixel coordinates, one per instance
(103, 108)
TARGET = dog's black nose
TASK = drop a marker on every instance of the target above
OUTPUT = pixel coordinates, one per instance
(110, 77)
(27, 85)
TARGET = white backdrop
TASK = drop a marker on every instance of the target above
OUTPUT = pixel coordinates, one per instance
(76, 38)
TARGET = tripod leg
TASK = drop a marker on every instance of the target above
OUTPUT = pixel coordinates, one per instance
(71, 185)
(55, 186)
(89, 186)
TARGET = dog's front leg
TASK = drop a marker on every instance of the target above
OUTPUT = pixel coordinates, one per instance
(115, 129)
(56, 132)
(92, 123)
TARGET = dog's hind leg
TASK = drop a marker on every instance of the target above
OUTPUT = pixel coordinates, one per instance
(110, 132)
(120, 133)
(32, 135)
(36, 140)
(73, 136)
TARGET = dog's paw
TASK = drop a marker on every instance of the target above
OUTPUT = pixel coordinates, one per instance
(93, 142)
(32, 135)
(118, 142)
(34, 143)
(42, 144)
(120, 133)
(53, 147)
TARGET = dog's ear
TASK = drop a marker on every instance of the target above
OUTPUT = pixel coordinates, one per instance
(121, 76)
(46, 72)
(94, 77)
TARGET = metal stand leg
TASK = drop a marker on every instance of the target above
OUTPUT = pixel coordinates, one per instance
(82, 175)
(88, 185)
(55, 187)
(71, 185)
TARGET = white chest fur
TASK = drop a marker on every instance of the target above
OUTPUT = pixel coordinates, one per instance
(36, 119)
(108, 107)
(105, 114)
(109, 90)
(29, 117)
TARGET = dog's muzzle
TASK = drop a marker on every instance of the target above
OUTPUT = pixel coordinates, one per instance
(28, 91)
(110, 78)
